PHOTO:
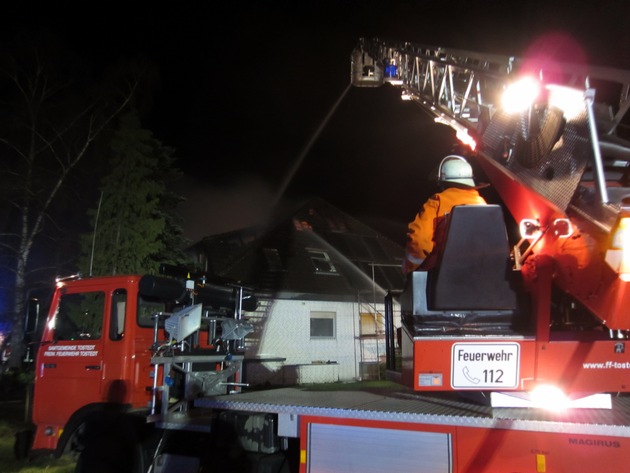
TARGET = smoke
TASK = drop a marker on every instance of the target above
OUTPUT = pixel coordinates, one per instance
(210, 209)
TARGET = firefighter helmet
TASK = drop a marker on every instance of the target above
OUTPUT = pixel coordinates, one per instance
(456, 169)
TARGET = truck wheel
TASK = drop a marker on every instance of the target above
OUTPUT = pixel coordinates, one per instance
(104, 454)
(110, 446)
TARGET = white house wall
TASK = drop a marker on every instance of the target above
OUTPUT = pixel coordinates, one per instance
(284, 333)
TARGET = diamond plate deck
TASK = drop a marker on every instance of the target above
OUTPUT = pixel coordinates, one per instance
(401, 405)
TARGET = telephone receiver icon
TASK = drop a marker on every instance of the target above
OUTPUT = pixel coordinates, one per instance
(469, 377)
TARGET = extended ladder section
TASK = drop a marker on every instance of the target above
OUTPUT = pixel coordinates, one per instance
(468, 91)
(463, 89)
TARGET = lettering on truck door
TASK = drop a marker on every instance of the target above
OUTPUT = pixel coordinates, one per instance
(71, 365)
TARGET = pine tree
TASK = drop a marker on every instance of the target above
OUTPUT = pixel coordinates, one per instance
(135, 227)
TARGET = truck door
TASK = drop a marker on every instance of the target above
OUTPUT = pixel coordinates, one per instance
(84, 361)
(69, 374)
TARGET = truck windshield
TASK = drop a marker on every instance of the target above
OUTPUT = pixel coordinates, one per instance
(80, 316)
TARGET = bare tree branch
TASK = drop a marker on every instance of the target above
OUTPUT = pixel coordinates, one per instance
(49, 137)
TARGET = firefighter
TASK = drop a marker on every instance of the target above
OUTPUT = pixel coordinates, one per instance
(457, 187)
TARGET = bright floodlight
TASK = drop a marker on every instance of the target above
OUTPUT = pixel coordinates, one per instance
(570, 101)
(549, 397)
(520, 95)
(621, 241)
(530, 228)
(621, 237)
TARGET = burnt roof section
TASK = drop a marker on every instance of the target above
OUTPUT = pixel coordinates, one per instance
(315, 252)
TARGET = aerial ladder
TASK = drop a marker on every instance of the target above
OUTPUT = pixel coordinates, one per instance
(552, 139)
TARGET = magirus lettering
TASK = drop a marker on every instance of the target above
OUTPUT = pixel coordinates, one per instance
(595, 443)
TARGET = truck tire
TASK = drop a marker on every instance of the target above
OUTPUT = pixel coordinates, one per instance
(104, 454)
(110, 446)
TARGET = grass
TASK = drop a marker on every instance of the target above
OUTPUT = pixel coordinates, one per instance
(12, 421)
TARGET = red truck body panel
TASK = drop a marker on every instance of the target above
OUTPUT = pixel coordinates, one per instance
(96, 368)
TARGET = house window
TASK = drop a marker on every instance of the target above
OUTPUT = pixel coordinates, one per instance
(322, 263)
(323, 324)
(371, 324)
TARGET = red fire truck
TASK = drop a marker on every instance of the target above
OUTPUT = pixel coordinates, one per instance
(134, 371)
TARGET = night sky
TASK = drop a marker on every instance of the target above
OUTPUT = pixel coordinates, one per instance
(246, 85)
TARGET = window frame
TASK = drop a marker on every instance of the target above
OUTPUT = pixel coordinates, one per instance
(321, 256)
(370, 324)
(321, 315)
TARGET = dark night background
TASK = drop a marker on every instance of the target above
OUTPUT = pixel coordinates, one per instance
(244, 86)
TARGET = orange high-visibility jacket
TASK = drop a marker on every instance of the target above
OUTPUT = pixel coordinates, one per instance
(421, 230)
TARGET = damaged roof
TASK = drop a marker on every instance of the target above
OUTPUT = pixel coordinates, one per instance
(315, 252)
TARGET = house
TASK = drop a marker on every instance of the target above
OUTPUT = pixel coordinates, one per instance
(321, 278)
